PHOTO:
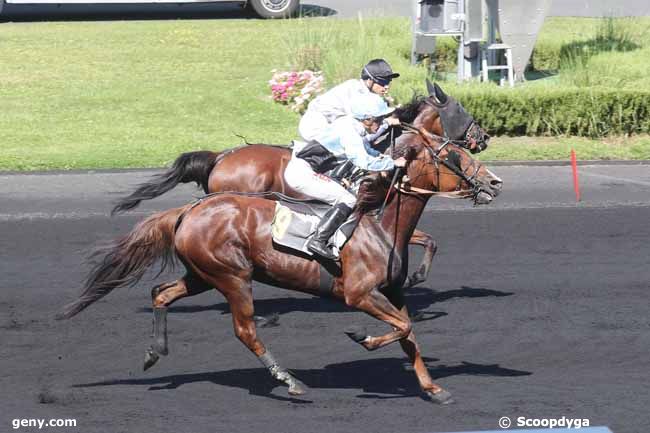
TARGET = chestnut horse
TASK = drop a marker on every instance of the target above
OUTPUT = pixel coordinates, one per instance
(260, 167)
(224, 241)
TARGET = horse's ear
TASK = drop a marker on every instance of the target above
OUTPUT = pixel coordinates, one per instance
(436, 93)
(439, 94)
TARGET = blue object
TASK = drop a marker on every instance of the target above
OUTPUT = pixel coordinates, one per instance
(370, 105)
(547, 430)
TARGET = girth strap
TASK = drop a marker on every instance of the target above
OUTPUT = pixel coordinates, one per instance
(326, 283)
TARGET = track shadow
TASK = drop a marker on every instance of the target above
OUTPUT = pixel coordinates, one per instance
(374, 378)
(420, 297)
(417, 300)
(141, 12)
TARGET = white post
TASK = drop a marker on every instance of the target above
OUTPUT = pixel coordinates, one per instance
(416, 15)
(461, 46)
(511, 78)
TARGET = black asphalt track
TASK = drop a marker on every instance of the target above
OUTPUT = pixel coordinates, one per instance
(529, 311)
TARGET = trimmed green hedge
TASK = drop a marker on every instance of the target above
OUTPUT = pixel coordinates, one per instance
(599, 85)
(552, 111)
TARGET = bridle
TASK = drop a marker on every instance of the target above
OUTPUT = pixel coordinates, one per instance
(434, 153)
(472, 134)
(471, 143)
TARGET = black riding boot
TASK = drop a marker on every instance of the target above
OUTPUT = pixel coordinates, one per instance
(331, 221)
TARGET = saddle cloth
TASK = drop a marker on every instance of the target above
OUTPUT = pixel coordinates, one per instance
(295, 223)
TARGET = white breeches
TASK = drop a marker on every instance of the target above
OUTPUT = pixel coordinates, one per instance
(311, 125)
(300, 176)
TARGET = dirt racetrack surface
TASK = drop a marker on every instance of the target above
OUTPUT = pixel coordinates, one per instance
(540, 313)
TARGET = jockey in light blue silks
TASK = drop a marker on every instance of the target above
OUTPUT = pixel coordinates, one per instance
(376, 77)
(345, 139)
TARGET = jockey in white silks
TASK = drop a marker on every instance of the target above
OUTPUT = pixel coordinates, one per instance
(343, 140)
(337, 102)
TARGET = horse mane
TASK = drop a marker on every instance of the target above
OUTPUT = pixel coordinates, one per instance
(410, 111)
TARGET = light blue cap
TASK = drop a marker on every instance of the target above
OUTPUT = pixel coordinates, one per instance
(370, 105)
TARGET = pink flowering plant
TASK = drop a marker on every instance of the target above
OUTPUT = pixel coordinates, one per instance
(296, 89)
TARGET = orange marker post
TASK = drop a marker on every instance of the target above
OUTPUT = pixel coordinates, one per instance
(574, 166)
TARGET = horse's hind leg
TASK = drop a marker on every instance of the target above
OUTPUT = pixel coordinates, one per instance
(430, 248)
(162, 296)
(239, 294)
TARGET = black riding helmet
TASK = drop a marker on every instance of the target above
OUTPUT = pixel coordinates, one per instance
(379, 71)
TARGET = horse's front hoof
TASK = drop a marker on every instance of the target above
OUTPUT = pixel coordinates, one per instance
(150, 358)
(297, 387)
(440, 397)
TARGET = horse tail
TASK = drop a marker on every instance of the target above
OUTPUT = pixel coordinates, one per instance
(189, 167)
(125, 261)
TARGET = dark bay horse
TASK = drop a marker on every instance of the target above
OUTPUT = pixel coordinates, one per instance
(224, 241)
(260, 167)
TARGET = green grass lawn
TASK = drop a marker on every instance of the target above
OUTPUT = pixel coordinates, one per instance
(136, 94)
(559, 148)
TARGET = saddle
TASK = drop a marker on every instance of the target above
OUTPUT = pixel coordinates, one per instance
(295, 222)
